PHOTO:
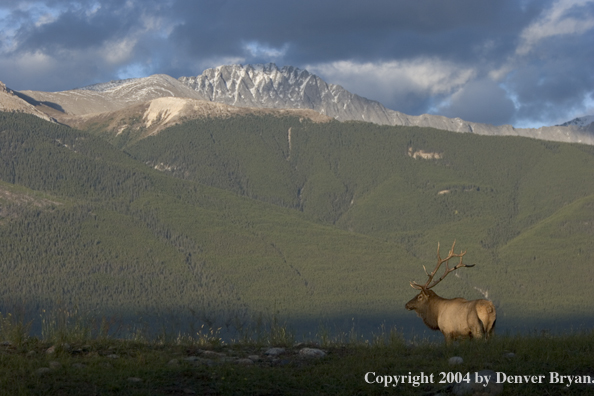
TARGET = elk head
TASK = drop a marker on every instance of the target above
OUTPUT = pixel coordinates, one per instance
(421, 299)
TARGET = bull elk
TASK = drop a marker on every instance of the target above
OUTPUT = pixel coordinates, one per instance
(455, 318)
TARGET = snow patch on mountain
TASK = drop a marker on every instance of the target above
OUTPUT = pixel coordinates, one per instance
(580, 121)
(103, 87)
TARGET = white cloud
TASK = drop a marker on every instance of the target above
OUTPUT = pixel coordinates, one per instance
(45, 19)
(391, 82)
(216, 61)
(259, 50)
(118, 52)
(31, 63)
(555, 22)
(93, 9)
(430, 75)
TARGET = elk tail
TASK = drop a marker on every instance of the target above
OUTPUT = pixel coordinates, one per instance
(488, 317)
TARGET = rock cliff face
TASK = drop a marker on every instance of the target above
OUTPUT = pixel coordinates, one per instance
(289, 87)
(12, 101)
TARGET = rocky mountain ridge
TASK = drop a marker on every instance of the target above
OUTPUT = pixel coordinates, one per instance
(290, 87)
(585, 121)
(115, 95)
(11, 101)
(270, 87)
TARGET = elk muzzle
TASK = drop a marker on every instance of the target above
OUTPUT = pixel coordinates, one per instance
(417, 301)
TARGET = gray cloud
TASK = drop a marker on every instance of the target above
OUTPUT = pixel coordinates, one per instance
(324, 31)
(480, 101)
(529, 61)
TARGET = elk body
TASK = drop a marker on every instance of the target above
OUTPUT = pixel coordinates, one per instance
(455, 318)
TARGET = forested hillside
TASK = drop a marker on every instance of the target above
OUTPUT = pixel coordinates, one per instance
(85, 224)
(506, 199)
(230, 217)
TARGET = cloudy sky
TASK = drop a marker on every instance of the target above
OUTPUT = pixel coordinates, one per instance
(519, 62)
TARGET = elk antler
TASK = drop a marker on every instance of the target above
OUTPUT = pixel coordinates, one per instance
(440, 261)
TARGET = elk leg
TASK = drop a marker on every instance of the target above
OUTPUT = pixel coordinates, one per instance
(476, 330)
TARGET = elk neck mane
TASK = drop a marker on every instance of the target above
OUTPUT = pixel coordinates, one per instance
(430, 313)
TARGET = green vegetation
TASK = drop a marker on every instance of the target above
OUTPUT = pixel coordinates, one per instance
(76, 357)
(221, 220)
(490, 193)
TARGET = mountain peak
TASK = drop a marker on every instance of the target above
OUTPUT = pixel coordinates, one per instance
(102, 87)
(268, 86)
(580, 121)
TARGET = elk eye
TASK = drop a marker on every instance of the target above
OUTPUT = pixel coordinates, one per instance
(420, 297)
